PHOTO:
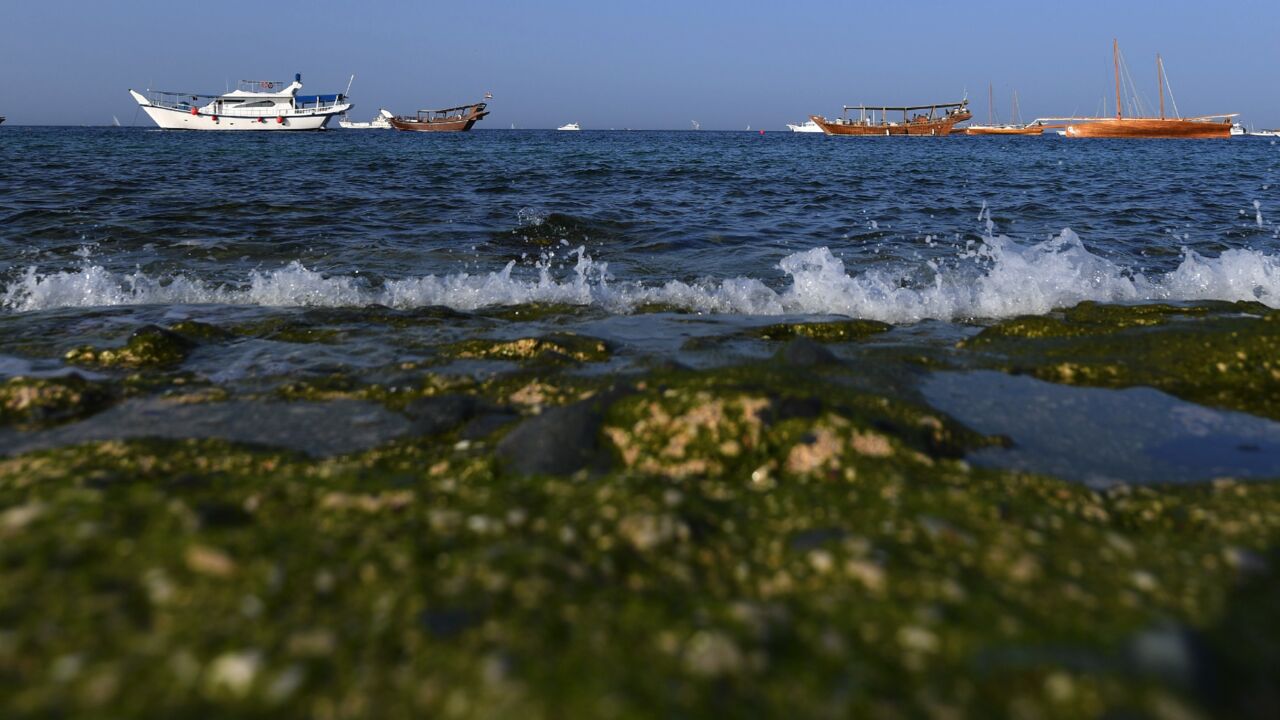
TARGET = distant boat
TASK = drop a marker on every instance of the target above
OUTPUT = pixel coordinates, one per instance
(381, 122)
(696, 125)
(1, 119)
(1238, 129)
(933, 123)
(993, 127)
(808, 127)
(454, 119)
(253, 105)
(1203, 127)
(571, 126)
(115, 121)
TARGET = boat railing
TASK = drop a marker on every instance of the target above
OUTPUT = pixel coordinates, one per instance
(185, 102)
(259, 86)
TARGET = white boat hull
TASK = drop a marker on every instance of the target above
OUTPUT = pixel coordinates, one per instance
(809, 127)
(170, 119)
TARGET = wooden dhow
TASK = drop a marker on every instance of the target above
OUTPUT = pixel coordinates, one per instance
(454, 119)
(1202, 127)
(937, 122)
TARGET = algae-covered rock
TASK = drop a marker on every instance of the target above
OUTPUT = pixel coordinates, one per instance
(562, 347)
(148, 346)
(827, 332)
(1221, 355)
(46, 401)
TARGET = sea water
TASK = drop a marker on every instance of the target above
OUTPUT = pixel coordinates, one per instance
(644, 239)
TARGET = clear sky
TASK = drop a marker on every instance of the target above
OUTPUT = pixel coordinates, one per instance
(653, 64)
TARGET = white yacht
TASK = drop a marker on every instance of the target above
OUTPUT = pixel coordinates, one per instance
(381, 122)
(809, 127)
(570, 126)
(253, 105)
(1238, 129)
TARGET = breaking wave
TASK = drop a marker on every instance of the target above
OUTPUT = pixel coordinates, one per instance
(999, 278)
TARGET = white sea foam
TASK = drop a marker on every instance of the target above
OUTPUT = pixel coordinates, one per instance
(998, 278)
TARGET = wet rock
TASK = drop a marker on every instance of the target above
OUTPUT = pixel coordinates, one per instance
(560, 441)
(316, 428)
(560, 347)
(838, 331)
(441, 413)
(805, 353)
(48, 401)
(148, 346)
(485, 425)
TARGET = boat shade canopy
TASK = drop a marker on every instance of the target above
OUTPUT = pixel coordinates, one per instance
(313, 99)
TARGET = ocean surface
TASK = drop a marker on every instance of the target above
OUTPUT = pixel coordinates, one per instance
(649, 240)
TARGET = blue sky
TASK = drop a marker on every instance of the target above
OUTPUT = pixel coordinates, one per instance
(655, 64)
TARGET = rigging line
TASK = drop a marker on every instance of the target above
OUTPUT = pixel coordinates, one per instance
(1170, 87)
(1135, 103)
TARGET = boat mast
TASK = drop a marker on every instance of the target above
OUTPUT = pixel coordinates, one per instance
(1160, 79)
(1115, 56)
(991, 107)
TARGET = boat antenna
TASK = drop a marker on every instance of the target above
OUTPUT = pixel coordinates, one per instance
(353, 79)
(1115, 57)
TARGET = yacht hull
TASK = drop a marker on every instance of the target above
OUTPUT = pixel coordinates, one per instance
(171, 119)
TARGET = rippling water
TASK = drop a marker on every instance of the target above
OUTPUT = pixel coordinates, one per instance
(645, 238)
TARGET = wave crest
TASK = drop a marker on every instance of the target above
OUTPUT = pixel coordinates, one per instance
(999, 278)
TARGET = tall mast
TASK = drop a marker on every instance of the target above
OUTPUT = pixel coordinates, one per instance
(991, 107)
(1160, 77)
(1115, 56)
(1017, 116)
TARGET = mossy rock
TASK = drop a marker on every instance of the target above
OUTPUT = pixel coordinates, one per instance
(201, 331)
(557, 348)
(226, 580)
(1220, 355)
(47, 401)
(827, 332)
(148, 347)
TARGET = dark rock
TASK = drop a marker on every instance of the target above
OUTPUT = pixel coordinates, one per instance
(440, 413)
(483, 426)
(788, 408)
(560, 441)
(805, 353)
(447, 623)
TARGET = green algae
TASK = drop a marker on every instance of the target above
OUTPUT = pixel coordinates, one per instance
(556, 348)
(769, 540)
(148, 346)
(205, 578)
(1220, 355)
(827, 332)
(35, 402)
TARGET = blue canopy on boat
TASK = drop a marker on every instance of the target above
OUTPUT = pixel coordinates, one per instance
(313, 99)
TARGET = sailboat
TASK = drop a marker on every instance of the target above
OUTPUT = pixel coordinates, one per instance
(1203, 127)
(995, 128)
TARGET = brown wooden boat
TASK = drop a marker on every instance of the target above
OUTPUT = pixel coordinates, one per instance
(933, 123)
(454, 119)
(1203, 127)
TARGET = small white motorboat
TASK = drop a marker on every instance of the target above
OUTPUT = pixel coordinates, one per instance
(570, 126)
(253, 105)
(809, 127)
(381, 122)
